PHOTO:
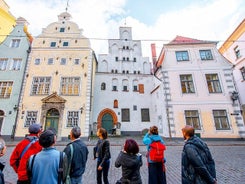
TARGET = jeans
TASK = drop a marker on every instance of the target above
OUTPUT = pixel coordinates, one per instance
(103, 172)
(77, 180)
(156, 173)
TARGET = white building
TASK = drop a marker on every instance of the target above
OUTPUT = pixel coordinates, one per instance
(234, 50)
(123, 87)
(197, 82)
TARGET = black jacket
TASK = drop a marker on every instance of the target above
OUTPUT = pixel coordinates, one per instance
(102, 151)
(198, 166)
(130, 167)
(79, 159)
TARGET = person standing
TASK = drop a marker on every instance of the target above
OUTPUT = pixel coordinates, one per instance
(130, 160)
(3, 149)
(44, 167)
(22, 152)
(79, 156)
(103, 155)
(156, 169)
(197, 163)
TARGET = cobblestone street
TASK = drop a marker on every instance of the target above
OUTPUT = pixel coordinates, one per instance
(229, 158)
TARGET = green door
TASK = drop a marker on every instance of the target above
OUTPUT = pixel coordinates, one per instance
(52, 119)
(107, 122)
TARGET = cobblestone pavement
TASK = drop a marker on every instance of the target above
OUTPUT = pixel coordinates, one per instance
(229, 158)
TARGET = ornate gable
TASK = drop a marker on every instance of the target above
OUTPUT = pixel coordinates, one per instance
(53, 98)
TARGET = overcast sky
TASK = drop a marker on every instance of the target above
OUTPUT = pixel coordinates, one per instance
(151, 20)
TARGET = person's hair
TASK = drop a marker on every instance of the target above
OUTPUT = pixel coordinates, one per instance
(154, 130)
(47, 138)
(131, 146)
(103, 133)
(76, 132)
(189, 130)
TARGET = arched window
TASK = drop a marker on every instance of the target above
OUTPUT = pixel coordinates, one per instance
(115, 105)
(103, 86)
(114, 84)
(135, 85)
(125, 85)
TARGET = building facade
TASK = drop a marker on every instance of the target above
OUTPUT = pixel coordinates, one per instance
(234, 50)
(124, 83)
(58, 87)
(7, 20)
(198, 85)
(14, 51)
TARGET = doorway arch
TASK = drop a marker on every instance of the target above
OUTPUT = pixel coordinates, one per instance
(107, 119)
(52, 119)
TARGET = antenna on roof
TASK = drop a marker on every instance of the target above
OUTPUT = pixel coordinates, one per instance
(125, 21)
(67, 4)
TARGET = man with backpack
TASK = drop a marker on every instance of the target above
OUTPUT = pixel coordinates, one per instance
(22, 152)
(197, 163)
(155, 156)
(49, 165)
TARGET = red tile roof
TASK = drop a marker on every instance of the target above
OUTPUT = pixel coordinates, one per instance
(184, 40)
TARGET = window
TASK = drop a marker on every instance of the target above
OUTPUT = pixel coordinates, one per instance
(127, 58)
(52, 44)
(182, 56)
(116, 58)
(70, 85)
(16, 64)
(37, 61)
(63, 61)
(31, 117)
(125, 85)
(103, 86)
(115, 104)
(65, 44)
(76, 61)
(192, 118)
(206, 54)
(213, 83)
(135, 107)
(72, 118)
(62, 29)
(187, 85)
(123, 58)
(135, 85)
(15, 43)
(41, 85)
(5, 89)
(3, 63)
(114, 84)
(221, 120)
(243, 72)
(237, 52)
(134, 59)
(50, 61)
(145, 115)
(125, 115)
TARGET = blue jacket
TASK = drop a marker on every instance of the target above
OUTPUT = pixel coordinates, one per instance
(148, 139)
(198, 166)
(45, 167)
(79, 159)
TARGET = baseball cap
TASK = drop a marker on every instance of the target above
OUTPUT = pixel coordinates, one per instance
(34, 128)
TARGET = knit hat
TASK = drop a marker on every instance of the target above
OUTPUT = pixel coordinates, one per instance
(34, 128)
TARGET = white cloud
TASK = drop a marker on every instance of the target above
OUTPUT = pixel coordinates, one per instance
(206, 19)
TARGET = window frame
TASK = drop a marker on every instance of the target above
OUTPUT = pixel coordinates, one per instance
(40, 86)
(145, 115)
(3, 64)
(72, 119)
(192, 118)
(182, 56)
(53, 44)
(206, 54)
(15, 43)
(125, 115)
(187, 85)
(70, 86)
(6, 88)
(242, 70)
(219, 119)
(213, 84)
(31, 119)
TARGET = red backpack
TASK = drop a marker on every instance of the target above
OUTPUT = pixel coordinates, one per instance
(156, 151)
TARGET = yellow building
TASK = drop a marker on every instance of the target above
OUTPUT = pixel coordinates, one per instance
(58, 86)
(7, 20)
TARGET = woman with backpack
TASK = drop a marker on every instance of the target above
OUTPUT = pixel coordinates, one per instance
(155, 156)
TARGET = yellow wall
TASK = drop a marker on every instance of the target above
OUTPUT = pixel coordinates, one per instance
(7, 20)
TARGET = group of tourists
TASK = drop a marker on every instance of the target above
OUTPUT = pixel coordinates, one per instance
(36, 160)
